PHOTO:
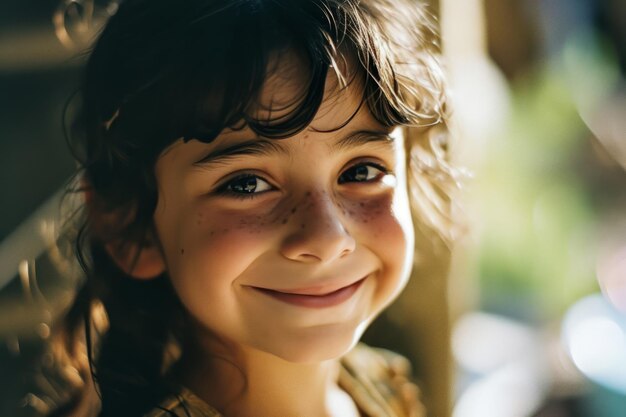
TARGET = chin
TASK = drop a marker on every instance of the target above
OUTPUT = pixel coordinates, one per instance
(316, 345)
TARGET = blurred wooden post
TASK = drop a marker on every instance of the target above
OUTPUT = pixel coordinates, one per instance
(425, 308)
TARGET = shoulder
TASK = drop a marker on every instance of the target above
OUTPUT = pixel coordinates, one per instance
(183, 404)
(380, 382)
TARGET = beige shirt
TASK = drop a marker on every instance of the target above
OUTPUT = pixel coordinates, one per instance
(377, 380)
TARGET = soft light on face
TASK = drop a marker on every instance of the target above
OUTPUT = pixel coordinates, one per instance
(289, 246)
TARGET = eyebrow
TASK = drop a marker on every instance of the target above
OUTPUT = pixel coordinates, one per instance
(248, 147)
(362, 137)
(265, 147)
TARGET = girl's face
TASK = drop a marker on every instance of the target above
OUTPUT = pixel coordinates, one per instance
(288, 246)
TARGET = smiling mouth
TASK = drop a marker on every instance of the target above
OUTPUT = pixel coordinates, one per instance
(314, 300)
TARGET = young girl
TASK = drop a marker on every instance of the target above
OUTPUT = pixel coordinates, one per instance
(247, 208)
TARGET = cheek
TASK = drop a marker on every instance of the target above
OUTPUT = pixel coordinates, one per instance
(384, 225)
(385, 219)
(211, 248)
(205, 261)
(393, 231)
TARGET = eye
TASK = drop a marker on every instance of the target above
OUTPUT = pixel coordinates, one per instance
(364, 172)
(245, 184)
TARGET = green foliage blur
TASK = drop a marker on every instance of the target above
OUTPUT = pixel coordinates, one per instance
(538, 249)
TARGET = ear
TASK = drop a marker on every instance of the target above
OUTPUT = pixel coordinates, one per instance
(140, 258)
(139, 261)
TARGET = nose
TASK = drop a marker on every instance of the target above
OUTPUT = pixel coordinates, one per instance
(318, 232)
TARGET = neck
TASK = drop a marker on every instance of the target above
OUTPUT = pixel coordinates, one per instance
(245, 382)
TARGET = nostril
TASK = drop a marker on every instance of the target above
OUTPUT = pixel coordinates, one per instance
(345, 252)
(309, 257)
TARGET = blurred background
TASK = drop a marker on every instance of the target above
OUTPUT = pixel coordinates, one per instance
(537, 283)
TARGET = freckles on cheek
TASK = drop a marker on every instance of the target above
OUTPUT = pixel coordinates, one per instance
(383, 220)
(223, 243)
(212, 224)
(374, 215)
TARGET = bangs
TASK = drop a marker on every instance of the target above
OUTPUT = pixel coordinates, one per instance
(207, 62)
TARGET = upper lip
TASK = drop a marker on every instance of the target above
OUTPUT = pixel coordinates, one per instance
(314, 290)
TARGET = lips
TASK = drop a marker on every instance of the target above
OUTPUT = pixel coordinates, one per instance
(308, 298)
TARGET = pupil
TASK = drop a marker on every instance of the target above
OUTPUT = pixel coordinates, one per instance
(360, 173)
(245, 185)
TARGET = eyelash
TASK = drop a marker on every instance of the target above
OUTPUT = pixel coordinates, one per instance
(382, 169)
(224, 188)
